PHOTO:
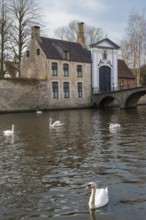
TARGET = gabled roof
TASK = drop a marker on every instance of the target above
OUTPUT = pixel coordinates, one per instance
(55, 49)
(124, 71)
(105, 43)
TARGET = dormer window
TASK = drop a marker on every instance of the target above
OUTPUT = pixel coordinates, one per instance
(104, 55)
(65, 54)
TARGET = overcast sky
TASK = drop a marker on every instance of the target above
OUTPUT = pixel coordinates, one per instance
(110, 15)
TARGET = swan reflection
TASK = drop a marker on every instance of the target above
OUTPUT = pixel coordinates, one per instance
(92, 214)
(10, 138)
(114, 131)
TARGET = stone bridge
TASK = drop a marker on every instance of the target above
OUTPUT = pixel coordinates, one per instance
(126, 98)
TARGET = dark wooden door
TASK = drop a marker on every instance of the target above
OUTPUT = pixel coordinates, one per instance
(105, 79)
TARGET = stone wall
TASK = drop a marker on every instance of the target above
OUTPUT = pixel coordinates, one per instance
(22, 95)
(18, 95)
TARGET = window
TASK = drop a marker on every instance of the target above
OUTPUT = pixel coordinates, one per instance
(38, 51)
(80, 89)
(104, 55)
(66, 55)
(66, 89)
(55, 89)
(66, 69)
(79, 71)
(27, 53)
(54, 69)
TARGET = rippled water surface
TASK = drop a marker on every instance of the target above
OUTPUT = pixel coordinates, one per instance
(43, 171)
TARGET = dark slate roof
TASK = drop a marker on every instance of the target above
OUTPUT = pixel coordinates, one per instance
(124, 71)
(54, 48)
(97, 44)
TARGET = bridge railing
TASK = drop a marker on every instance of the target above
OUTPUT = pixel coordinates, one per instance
(116, 87)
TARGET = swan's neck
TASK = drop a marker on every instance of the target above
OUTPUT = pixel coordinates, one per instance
(92, 198)
(12, 128)
(50, 123)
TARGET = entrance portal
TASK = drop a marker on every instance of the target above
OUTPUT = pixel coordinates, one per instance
(105, 79)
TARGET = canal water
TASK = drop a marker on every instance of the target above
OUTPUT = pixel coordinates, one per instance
(44, 171)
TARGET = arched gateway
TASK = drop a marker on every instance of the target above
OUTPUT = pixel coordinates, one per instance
(104, 79)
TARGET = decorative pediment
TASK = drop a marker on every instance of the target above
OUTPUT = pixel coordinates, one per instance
(105, 44)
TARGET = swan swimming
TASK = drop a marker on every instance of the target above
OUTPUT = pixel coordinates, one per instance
(55, 124)
(9, 132)
(114, 126)
(98, 197)
(39, 111)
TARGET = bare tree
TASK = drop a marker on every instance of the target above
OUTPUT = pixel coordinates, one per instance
(5, 25)
(67, 33)
(134, 45)
(25, 13)
(92, 34)
(61, 33)
(126, 52)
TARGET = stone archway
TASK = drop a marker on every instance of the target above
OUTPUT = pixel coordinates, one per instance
(104, 79)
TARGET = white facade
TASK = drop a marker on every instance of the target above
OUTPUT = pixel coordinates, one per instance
(104, 66)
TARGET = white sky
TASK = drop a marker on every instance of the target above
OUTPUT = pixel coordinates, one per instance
(110, 15)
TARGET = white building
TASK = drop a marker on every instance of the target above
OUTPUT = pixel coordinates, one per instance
(104, 56)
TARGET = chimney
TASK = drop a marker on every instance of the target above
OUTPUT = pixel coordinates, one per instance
(35, 32)
(80, 34)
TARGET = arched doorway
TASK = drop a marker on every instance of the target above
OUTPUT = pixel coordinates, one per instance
(104, 79)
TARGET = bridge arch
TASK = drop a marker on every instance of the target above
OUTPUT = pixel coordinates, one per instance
(127, 98)
(108, 101)
(132, 99)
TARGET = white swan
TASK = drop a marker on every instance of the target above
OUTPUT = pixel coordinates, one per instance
(9, 132)
(55, 124)
(39, 111)
(114, 126)
(98, 197)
